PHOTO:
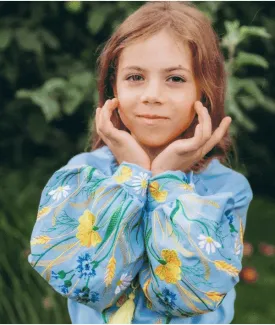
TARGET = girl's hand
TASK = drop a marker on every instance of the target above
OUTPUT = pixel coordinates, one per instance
(182, 154)
(121, 143)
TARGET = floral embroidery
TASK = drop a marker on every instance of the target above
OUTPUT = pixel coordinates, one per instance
(84, 267)
(99, 231)
(159, 196)
(186, 187)
(167, 298)
(43, 212)
(124, 175)
(123, 283)
(85, 295)
(59, 192)
(87, 233)
(140, 183)
(170, 270)
(64, 288)
(208, 243)
(215, 296)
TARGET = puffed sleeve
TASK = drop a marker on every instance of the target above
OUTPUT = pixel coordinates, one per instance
(194, 243)
(87, 240)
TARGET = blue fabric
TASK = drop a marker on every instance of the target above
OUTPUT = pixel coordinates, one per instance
(101, 227)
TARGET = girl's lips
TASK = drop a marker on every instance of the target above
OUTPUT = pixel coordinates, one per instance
(153, 116)
(151, 121)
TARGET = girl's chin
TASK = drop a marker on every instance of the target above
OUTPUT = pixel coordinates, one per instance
(153, 143)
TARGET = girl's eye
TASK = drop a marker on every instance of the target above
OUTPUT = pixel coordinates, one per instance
(178, 79)
(135, 77)
(132, 77)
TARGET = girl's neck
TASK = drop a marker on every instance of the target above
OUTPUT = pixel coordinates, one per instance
(152, 152)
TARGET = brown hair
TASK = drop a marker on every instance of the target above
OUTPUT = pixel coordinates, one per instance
(187, 24)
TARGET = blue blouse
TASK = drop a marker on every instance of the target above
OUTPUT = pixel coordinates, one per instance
(177, 238)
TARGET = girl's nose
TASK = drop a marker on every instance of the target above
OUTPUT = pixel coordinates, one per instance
(152, 92)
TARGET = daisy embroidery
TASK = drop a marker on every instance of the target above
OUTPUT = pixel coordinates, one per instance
(140, 183)
(59, 192)
(208, 243)
(123, 283)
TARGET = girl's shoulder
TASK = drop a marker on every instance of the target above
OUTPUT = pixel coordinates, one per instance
(218, 177)
(100, 158)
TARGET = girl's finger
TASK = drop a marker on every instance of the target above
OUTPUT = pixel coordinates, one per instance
(202, 121)
(217, 135)
(96, 118)
(106, 126)
(191, 144)
(207, 126)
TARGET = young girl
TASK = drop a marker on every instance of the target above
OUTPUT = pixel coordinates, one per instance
(148, 227)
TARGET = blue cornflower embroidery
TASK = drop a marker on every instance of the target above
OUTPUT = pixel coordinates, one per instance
(84, 295)
(167, 298)
(84, 267)
(64, 289)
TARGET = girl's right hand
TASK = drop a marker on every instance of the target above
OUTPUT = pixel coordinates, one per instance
(121, 143)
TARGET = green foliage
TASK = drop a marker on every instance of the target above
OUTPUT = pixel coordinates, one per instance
(58, 95)
(239, 86)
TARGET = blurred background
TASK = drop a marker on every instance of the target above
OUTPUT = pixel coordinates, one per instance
(48, 52)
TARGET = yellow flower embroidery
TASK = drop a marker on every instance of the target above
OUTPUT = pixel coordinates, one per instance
(87, 233)
(159, 196)
(170, 270)
(40, 240)
(42, 212)
(215, 296)
(125, 175)
(145, 288)
(186, 187)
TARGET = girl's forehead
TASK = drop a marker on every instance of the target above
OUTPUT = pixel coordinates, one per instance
(158, 50)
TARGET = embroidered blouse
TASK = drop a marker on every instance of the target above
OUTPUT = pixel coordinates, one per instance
(179, 236)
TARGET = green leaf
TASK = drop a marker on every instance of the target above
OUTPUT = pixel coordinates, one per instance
(54, 85)
(62, 274)
(246, 31)
(49, 106)
(269, 104)
(97, 18)
(74, 6)
(90, 175)
(232, 37)
(28, 40)
(5, 38)
(73, 98)
(247, 102)
(251, 88)
(147, 237)
(241, 118)
(82, 80)
(175, 210)
(244, 58)
(114, 220)
(49, 39)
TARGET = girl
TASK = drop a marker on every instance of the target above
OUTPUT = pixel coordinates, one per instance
(148, 227)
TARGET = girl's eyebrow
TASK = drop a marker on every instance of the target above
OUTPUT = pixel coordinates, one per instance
(134, 67)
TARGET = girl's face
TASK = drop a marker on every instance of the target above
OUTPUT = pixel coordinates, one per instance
(155, 77)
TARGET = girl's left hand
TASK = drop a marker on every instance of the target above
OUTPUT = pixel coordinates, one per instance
(182, 154)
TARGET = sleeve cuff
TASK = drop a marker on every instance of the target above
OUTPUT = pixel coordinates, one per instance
(167, 186)
(134, 179)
